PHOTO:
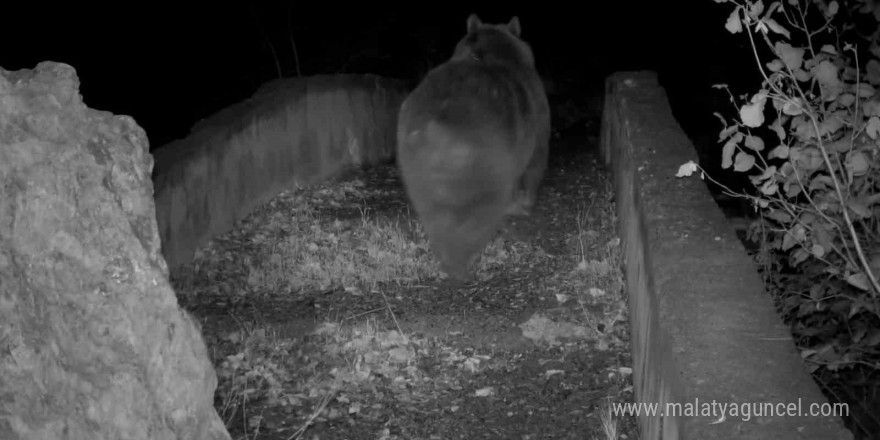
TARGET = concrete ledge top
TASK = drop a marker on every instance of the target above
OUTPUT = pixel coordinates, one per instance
(729, 345)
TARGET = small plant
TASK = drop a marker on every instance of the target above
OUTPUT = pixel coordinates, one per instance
(809, 141)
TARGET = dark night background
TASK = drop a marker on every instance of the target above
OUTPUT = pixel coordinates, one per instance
(171, 64)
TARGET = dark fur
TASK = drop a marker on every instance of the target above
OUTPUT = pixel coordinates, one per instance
(472, 142)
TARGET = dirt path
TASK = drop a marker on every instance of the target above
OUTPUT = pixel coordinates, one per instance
(325, 311)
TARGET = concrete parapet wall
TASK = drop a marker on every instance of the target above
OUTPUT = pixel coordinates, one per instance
(293, 131)
(705, 333)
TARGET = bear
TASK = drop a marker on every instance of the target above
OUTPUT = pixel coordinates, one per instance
(473, 141)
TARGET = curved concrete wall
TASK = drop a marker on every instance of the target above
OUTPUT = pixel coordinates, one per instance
(292, 131)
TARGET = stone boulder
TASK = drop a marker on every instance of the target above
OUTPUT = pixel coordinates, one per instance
(92, 342)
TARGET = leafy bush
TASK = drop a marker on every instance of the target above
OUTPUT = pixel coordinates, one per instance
(808, 139)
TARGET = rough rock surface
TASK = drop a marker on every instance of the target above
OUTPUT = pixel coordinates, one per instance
(92, 342)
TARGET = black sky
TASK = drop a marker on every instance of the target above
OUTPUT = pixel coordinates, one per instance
(171, 64)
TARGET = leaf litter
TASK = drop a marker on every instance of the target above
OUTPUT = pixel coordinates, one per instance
(326, 316)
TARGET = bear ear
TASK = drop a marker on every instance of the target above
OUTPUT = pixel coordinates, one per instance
(513, 26)
(473, 22)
